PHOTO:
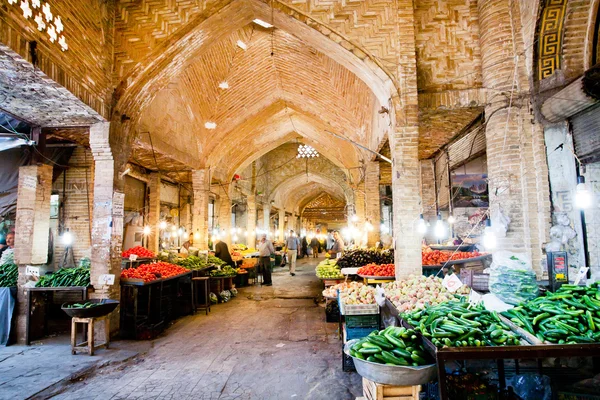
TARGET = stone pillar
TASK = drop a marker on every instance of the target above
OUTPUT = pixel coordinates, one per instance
(154, 212)
(517, 167)
(359, 206)
(251, 221)
(281, 230)
(31, 230)
(201, 188)
(107, 222)
(372, 201)
(225, 214)
(404, 151)
(428, 190)
(267, 217)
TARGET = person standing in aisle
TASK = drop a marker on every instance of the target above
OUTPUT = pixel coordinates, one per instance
(292, 244)
(265, 249)
(222, 252)
(314, 244)
(338, 244)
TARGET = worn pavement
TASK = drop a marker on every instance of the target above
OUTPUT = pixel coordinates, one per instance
(268, 343)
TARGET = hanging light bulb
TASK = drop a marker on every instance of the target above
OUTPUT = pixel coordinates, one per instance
(451, 219)
(173, 228)
(197, 234)
(234, 238)
(67, 238)
(232, 231)
(146, 230)
(224, 85)
(246, 233)
(239, 230)
(583, 197)
(355, 218)
(163, 225)
(368, 226)
(489, 237)
(174, 234)
(440, 229)
(186, 236)
(180, 231)
(210, 125)
(421, 225)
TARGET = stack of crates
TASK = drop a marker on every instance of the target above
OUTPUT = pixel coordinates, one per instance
(357, 327)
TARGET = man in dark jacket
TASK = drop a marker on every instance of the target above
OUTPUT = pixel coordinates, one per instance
(222, 252)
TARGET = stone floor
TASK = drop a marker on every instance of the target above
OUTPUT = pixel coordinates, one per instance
(268, 343)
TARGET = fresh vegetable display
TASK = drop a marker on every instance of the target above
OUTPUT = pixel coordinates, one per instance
(9, 272)
(569, 315)
(361, 257)
(377, 270)
(225, 271)
(417, 292)
(192, 262)
(364, 294)
(79, 276)
(454, 324)
(326, 270)
(154, 271)
(332, 291)
(513, 286)
(87, 304)
(215, 260)
(437, 257)
(391, 346)
(139, 251)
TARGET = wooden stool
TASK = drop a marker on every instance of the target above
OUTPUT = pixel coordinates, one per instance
(88, 346)
(206, 304)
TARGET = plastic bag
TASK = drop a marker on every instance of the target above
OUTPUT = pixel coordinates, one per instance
(213, 298)
(234, 292)
(225, 296)
(532, 386)
(512, 279)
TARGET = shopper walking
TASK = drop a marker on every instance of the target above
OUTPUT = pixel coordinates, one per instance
(314, 244)
(292, 244)
(265, 249)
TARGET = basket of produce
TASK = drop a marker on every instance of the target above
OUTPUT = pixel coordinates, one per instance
(94, 308)
(393, 356)
(325, 270)
(358, 300)
(374, 271)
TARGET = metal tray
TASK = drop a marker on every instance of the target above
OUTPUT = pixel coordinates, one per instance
(106, 307)
(392, 374)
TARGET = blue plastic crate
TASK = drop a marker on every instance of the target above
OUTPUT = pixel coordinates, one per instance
(357, 333)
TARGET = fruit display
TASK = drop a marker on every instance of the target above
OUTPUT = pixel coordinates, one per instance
(328, 270)
(377, 270)
(359, 258)
(438, 257)
(225, 271)
(332, 291)
(139, 251)
(364, 294)
(418, 292)
(392, 346)
(569, 315)
(9, 272)
(153, 272)
(454, 324)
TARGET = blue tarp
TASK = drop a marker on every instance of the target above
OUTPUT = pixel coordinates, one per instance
(7, 306)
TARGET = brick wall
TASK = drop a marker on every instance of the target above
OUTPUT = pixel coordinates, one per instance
(77, 200)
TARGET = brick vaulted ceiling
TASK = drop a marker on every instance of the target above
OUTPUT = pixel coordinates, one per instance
(296, 92)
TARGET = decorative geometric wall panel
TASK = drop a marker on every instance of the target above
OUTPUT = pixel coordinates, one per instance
(550, 37)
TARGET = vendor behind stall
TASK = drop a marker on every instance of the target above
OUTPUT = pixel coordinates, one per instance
(222, 252)
(9, 247)
(338, 244)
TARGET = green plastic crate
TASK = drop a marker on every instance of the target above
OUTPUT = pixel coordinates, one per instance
(370, 321)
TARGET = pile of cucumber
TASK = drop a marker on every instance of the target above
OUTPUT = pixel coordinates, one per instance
(456, 324)
(79, 276)
(391, 346)
(87, 304)
(568, 316)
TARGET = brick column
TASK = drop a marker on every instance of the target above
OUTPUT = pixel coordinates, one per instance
(31, 230)
(359, 205)
(224, 214)
(251, 221)
(517, 167)
(404, 151)
(428, 188)
(372, 200)
(201, 188)
(107, 223)
(281, 231)
(154, 212)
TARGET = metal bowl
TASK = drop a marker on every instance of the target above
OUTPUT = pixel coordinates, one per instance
(392, 374)
(106, 307)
